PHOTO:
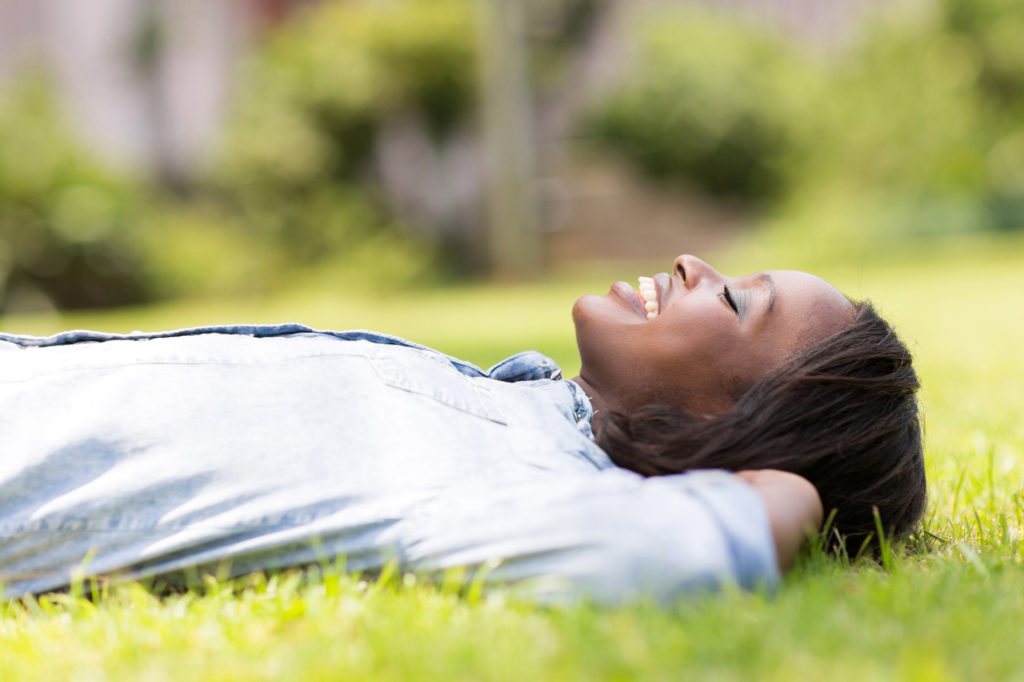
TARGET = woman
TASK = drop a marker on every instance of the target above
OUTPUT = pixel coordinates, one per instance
(777, 370)
(233, 449)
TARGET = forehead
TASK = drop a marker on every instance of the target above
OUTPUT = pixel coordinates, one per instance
(803, 298)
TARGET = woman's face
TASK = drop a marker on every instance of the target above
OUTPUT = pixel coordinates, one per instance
(712, 335)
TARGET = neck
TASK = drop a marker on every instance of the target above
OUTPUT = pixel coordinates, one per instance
(600, 404)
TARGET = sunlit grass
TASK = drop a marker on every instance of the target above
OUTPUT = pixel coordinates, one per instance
(954, 612)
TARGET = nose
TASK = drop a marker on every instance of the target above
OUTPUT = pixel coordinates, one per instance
(693, 271)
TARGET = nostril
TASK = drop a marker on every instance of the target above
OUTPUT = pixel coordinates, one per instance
(681, 271)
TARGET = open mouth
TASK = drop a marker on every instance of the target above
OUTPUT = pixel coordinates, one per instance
(645, 301)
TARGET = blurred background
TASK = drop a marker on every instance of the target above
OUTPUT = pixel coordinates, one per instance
(458, 172)
(190, 150)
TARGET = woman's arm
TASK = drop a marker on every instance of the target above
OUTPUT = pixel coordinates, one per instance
(613, 537)
(794, 509)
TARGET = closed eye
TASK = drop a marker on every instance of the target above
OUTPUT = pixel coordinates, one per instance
(729, 299)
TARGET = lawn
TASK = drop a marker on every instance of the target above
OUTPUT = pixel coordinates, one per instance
(954, 611)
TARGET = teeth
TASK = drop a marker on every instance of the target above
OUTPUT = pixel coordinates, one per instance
(650, 295)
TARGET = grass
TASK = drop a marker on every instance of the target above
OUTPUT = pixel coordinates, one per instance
(953, 612)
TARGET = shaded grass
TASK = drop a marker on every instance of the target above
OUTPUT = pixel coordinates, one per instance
(951, 612)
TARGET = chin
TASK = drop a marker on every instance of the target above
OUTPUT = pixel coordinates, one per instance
(582, 308)
(596, 334)
(583, 319)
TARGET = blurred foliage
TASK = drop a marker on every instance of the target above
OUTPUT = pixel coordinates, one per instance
(916, 129)
(920, 128)
(711, 104)
(65, 234)
(556, 30)
(298, 169)
(293, 196)
(297, 166)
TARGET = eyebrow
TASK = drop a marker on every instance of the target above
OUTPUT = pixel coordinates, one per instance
(773, 292)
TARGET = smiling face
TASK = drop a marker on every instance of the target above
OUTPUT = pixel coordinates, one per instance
(708, 338)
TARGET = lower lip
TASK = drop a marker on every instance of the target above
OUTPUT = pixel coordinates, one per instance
(629, 295)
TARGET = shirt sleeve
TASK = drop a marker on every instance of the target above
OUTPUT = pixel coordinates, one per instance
(613, 537)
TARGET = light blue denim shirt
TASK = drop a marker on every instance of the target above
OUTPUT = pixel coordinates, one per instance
(257, 447)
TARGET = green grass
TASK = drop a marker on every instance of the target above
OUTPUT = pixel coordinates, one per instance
(955, 612)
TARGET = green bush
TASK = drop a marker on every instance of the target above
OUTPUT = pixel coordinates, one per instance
(920, 130)
(915, 130)
(711, 104)
(64, 220)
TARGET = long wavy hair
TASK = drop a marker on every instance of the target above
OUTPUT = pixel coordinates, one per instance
(842, 413)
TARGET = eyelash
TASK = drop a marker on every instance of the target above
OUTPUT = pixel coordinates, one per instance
(729, 299)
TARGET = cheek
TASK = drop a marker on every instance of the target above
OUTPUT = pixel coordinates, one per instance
(700, 353)
(697, 332)
(695, 351)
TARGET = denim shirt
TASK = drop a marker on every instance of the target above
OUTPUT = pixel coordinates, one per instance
(240, 448)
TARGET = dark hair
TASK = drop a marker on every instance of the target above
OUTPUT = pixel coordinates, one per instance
(842, 413)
